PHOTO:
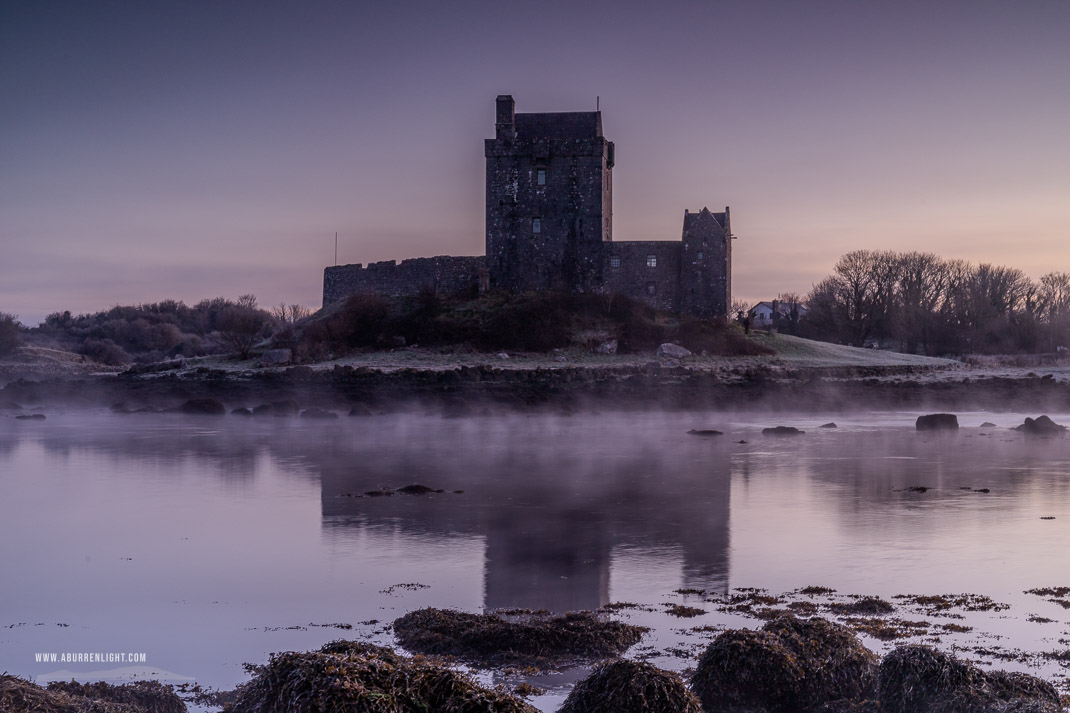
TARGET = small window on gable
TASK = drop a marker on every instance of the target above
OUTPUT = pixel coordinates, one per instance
(614, 261)
(651, 288)
(651, 260)
(540, 176)
(699, 256)
(536, 225)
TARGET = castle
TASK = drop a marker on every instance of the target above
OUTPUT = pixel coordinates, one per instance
(549, 221)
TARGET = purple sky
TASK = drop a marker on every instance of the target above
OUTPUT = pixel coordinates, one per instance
(193, 149)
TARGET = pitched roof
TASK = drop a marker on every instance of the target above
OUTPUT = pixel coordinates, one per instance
(560, 125)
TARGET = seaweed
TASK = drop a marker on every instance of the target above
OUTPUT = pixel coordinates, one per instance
(623, 686)
(354, 677)
(790, 665)
(537, 639)
(920, 679)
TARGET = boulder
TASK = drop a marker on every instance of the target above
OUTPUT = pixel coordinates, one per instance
(609, 347)
(274, 357)
(782, 431)
(1041, 426)
(790, 665)
(241, 412)
(318, 413)
(920, 679)
(356, 677)
(624, 686)
(704, 432)
(937, 422)
(673, 351)
(830, 424)
(203, 407)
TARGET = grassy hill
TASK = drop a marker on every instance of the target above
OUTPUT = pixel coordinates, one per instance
(806, 352)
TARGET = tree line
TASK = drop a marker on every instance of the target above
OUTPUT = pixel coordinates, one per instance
(919, 302)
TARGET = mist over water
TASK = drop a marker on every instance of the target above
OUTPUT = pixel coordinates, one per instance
(208, 543)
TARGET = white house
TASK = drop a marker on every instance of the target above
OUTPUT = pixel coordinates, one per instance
(761, 314)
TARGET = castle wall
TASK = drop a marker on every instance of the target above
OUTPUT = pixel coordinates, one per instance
(444, 274)
(628, 272)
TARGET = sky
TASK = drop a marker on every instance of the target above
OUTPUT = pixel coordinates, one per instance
(155, 150)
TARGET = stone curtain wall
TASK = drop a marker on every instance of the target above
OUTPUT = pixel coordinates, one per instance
(444, 274)
(634, 277)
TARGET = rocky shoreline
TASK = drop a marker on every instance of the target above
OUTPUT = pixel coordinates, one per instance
(470, 390)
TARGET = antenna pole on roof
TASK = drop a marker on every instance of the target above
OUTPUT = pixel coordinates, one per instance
(598, 103)
(336, 247)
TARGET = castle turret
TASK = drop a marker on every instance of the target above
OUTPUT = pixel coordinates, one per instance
(504, 125)
(706, 264)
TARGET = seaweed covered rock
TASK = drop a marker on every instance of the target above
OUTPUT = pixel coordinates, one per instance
(937, 422)
(920, 679)
(747, 670)
(137, 697)
(351, 677)
(20, 696)
(533, 639)
(835, 663)
(790, 665)
(624, 686)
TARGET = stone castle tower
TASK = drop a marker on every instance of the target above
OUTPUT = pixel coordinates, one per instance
(549, 226)
(549, 200)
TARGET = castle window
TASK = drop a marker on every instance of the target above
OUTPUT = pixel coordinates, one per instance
(536, 225)
(651, 261)
(540, 176)
(699, 256)
(614, 261)
(651, 288)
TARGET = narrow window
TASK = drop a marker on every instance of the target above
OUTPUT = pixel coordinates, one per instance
(536, 225)
(699, 255)
(651, 288)
(651, 260)
(540, 176)
(614, 261)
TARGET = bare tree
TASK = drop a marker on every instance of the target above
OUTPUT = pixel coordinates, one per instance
(289, 315)
(240, 326)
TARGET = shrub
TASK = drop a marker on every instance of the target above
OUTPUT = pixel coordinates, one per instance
(104, 351)
(9, 333)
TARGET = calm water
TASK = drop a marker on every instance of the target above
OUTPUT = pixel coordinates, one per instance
(206, 544)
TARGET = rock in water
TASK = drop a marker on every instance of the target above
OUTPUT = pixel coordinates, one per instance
(704, 432)
(937, 422)
(624, 686)
(920, 679)
(830, 424)
(356, 677)
(204, 407)
(790, 665)
(674, 351)
(782, 431)
(1041, 426)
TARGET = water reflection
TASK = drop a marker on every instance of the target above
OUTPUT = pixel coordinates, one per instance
(203, 540)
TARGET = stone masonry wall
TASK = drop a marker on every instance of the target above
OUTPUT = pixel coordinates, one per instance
(444, 274)
(628, 272)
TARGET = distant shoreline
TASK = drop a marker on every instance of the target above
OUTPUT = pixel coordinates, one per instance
(743, 385)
